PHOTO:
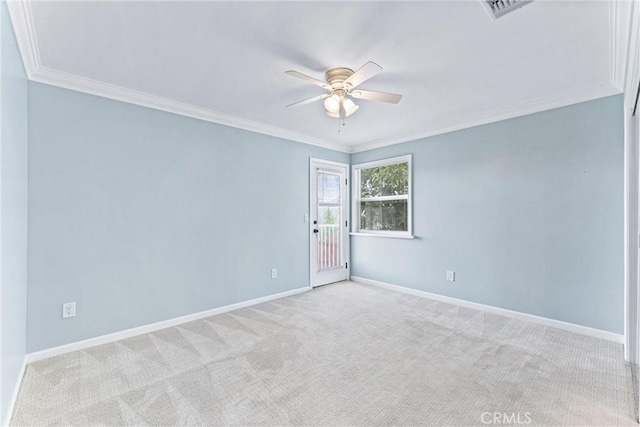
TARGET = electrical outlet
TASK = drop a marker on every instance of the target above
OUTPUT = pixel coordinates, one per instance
(68, 310)
(306, 217)
(451, 276)
(274, 273)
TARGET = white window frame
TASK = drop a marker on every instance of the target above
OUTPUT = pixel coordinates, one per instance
(356, 199)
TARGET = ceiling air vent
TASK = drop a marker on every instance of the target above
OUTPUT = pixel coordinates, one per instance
(498, 8)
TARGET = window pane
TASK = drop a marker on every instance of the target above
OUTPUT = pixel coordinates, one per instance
(389, 215)
(389, 180)
(328, 188)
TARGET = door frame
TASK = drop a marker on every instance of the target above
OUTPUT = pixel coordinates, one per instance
(347, 215)
(631, 239)
(632, 193)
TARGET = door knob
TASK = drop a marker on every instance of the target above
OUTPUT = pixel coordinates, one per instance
(315, 230)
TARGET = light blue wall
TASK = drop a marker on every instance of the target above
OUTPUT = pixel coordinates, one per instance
(528, 212)
(141, 216)
(13, 212)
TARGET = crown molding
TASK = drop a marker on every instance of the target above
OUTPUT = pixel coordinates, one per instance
(536, 106)
(620, 13)
(24, 29)
(106, 90)
(620, 21)
(633, 56)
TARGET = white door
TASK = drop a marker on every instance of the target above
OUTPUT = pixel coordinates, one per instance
(328, 222)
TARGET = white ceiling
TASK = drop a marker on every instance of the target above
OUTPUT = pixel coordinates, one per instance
(225, 61)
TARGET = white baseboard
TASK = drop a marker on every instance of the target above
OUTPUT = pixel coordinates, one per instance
(572, 327)
(14, 396)
(128, 333)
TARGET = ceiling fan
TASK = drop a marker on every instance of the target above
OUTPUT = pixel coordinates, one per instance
(341, 84)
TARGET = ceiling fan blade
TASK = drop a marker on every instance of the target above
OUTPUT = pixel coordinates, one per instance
(308, 78)
(392, 98)
(310, 100)
(363, 74)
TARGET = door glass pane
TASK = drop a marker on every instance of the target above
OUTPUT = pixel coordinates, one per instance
(329, 219)
(387, 215)
(328, 188)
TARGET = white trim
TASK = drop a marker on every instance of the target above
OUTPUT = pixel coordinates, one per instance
(128, 333)
(391, 236)
(355, 189)
(613, 38)
(620, 15)
(22, 21)
(631, 241)
(328, 162)
(14, 395)
(631, 191)
(536, 106)
(310, 224)
(384, 198)
(572, 327)
(632, 68)
(383, 162)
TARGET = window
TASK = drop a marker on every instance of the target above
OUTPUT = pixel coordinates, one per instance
(382, 197)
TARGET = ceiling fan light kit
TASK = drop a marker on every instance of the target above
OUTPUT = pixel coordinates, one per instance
(332, 103)
(340, 82)
(349, 106)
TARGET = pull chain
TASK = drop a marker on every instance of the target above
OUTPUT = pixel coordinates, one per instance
(342, 115)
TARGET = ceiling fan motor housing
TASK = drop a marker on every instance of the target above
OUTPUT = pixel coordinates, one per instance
(336, 76)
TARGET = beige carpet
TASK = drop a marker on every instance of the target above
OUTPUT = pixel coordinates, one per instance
(343, 354)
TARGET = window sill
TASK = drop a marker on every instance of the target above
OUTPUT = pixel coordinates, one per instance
(392, 236)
